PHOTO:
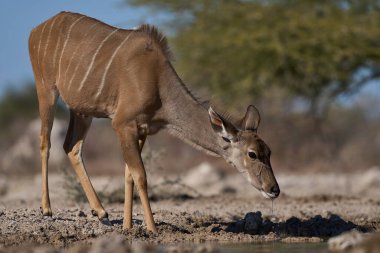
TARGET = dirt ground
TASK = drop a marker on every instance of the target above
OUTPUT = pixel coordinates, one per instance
(309, 209)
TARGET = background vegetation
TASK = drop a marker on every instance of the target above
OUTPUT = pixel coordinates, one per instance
(301, 62)
(314, 49)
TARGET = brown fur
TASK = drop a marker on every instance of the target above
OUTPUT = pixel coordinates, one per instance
(158, 38)
(125, 75)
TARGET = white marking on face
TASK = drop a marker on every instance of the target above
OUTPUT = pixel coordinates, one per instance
(268, 195)
(64, 45)
(265, 194)
(109, 64)
(236, 160)
(94, 56)
(248, 177)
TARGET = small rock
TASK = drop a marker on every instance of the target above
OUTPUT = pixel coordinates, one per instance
(267, 227)
(215, 229)
(271, 236)
(112, 243)
(301, 239)
(240, 224)
(293, 225)
(274, 219)
(88, 232)
(345, 240)
(326, 214)
(253, 222)
(371, 244)
(47, 218)
(315, 239)
(81, 214)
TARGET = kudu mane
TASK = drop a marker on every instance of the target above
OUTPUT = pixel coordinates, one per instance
(158, 37)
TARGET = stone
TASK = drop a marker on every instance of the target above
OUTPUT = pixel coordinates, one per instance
(81, 214)
(253, 222)
(346, 240)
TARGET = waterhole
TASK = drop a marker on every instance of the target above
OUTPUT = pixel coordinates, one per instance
(274, 247)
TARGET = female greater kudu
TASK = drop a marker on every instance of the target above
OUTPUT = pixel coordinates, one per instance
(126, 75)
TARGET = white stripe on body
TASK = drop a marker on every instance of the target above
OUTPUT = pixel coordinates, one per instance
(39, 44)
(64, 45)
(77, 66)
(48, 38)
(55, 53)
(75, 51)
(109, 65)
(93, 58)
(38, 53)
(56, 47)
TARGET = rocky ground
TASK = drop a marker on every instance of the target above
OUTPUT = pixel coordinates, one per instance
(218, 219)
(234, 215)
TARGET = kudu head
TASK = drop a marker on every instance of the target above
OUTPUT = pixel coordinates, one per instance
(246, 151)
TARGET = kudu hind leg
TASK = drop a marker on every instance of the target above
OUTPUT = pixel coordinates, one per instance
(47, 104)
(128, 198)
(75, 136)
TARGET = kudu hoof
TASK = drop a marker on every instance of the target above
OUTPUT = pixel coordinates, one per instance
(102, 215)
(105, 221)
(46, 211)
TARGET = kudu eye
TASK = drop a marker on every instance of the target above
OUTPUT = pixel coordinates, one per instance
(226, 139)
(252, 155)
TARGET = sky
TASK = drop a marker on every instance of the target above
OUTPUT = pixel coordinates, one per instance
(18, 17)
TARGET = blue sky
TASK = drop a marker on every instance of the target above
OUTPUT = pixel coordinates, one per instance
(18, 17)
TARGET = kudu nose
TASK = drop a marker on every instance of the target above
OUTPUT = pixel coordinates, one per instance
(275, 190)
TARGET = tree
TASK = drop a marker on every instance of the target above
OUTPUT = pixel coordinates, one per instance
(314, 49)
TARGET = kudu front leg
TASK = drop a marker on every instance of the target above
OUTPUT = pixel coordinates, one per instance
(128, 198)
(129, 139)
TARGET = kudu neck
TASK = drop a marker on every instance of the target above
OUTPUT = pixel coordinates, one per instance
(188, 119)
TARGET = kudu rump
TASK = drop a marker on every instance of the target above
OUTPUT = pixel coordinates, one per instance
(126, 75)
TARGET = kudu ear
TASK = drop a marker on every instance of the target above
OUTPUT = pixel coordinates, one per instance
(251, 119)
(222, 127)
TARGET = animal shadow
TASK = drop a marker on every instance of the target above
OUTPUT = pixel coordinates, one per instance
(317, 226)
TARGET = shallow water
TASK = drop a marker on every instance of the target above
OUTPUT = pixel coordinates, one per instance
(274, 247)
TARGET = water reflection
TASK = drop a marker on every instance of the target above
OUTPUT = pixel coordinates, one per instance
(275, 247)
